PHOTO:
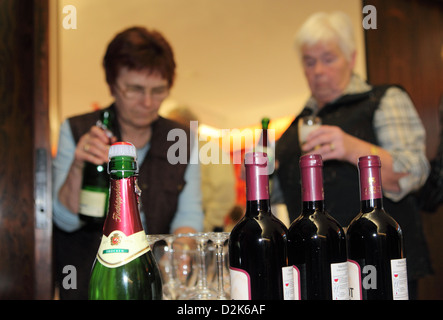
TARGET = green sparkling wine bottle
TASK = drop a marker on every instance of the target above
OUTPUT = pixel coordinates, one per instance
(125, 267)
(94, 195)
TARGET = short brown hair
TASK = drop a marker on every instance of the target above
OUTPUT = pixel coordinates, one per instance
(138, 48)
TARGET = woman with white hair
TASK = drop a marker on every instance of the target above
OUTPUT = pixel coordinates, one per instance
(357, 119)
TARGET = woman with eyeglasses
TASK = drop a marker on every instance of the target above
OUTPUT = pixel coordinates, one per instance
(140, 69)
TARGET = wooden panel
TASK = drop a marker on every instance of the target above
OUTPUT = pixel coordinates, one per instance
(22, 88)
(16, 152)
(407, 48)
(42, 156)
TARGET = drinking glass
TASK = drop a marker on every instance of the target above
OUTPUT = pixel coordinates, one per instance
(171, 286)
(186, 257)
(202, 290)
(306, 125)
(153, 238)
(219, 239)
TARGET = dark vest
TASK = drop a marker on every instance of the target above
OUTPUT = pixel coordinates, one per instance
(354, 114)
(160, 181)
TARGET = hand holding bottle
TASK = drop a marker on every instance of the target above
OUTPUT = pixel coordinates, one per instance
(94, 145)
(94, 192)
(91, 151)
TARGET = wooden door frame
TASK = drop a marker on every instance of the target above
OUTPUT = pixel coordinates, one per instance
(25, 171)
(42, 151)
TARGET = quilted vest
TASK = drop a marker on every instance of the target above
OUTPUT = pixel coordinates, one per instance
(159, 181)
(353, 114)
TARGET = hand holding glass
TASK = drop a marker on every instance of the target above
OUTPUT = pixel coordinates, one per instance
(306, 125)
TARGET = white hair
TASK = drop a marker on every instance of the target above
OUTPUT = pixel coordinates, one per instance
(323, 27)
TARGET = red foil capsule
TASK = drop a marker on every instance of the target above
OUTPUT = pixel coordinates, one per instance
(123, 200)
(370, 177)
(257, 183)
(312, 177)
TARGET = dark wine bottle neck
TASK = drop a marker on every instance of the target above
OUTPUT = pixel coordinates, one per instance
(255, 207)
(309, 207)
(370, 204)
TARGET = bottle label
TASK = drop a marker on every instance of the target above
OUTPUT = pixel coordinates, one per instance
(354, 280)
(240, 284)
(92, 203)
(297, 283)
(118, 249)
(339, 280)
(399, 279)
(288, 283)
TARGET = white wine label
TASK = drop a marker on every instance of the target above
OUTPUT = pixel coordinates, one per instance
(297, 283)
(288, 283)
(240, 284)
(118, 249)
(354, 280)
(92, 203)
(399, 279)
(339, 280)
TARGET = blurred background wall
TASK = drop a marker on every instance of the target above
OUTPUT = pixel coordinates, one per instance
(235, 59)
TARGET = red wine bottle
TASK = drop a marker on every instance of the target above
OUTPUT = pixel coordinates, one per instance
(258, 243)
(377, 264)
(317, 242)
(125, 268)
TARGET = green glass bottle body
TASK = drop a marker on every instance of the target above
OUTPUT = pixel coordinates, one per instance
(94, 195)
(125, 267)
(118, 283)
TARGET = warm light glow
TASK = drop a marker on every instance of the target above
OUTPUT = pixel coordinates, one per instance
(207, 132)
(279, 125)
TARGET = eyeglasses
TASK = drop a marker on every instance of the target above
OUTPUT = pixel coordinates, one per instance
(136, 92)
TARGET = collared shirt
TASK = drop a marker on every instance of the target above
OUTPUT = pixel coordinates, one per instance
(399, 130)
(189, 211)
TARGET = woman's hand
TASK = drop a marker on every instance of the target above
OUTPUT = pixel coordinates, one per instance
(331, 142)
(93, 147)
